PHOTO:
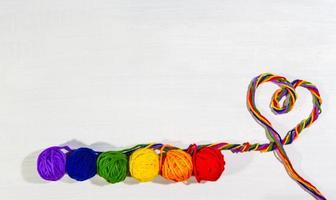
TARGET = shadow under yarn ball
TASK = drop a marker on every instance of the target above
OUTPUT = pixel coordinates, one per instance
(81, 164)
(112, 166)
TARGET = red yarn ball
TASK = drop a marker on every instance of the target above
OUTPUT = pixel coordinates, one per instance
(208, 164)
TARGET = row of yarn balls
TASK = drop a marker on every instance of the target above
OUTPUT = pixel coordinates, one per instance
(145, 164)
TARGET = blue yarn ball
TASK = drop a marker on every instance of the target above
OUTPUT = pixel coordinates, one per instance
(81, 164)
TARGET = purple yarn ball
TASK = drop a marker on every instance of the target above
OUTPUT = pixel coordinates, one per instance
(51, 163)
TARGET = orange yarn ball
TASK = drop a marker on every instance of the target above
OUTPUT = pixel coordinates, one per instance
(177, 166)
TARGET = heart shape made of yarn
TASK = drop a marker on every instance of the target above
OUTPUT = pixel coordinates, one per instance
(287, 91)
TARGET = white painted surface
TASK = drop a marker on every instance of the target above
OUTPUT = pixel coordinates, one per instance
(118, 73)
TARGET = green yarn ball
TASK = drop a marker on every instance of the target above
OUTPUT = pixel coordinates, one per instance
(112, 166)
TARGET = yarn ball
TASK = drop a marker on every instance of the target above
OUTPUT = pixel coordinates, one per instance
(144, 164)
(177, 166)
(51, 164)
(208, 164)
(81, 164)
(112, 166)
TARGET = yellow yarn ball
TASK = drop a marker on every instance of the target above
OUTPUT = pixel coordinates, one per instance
(144, 164)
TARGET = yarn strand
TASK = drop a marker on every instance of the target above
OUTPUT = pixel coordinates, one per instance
(287, 90)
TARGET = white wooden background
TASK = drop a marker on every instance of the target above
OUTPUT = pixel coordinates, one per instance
(114, 73)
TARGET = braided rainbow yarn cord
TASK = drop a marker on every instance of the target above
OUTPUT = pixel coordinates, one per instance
(206, 162)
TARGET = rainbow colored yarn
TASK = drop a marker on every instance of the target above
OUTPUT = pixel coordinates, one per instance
(206, 162)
